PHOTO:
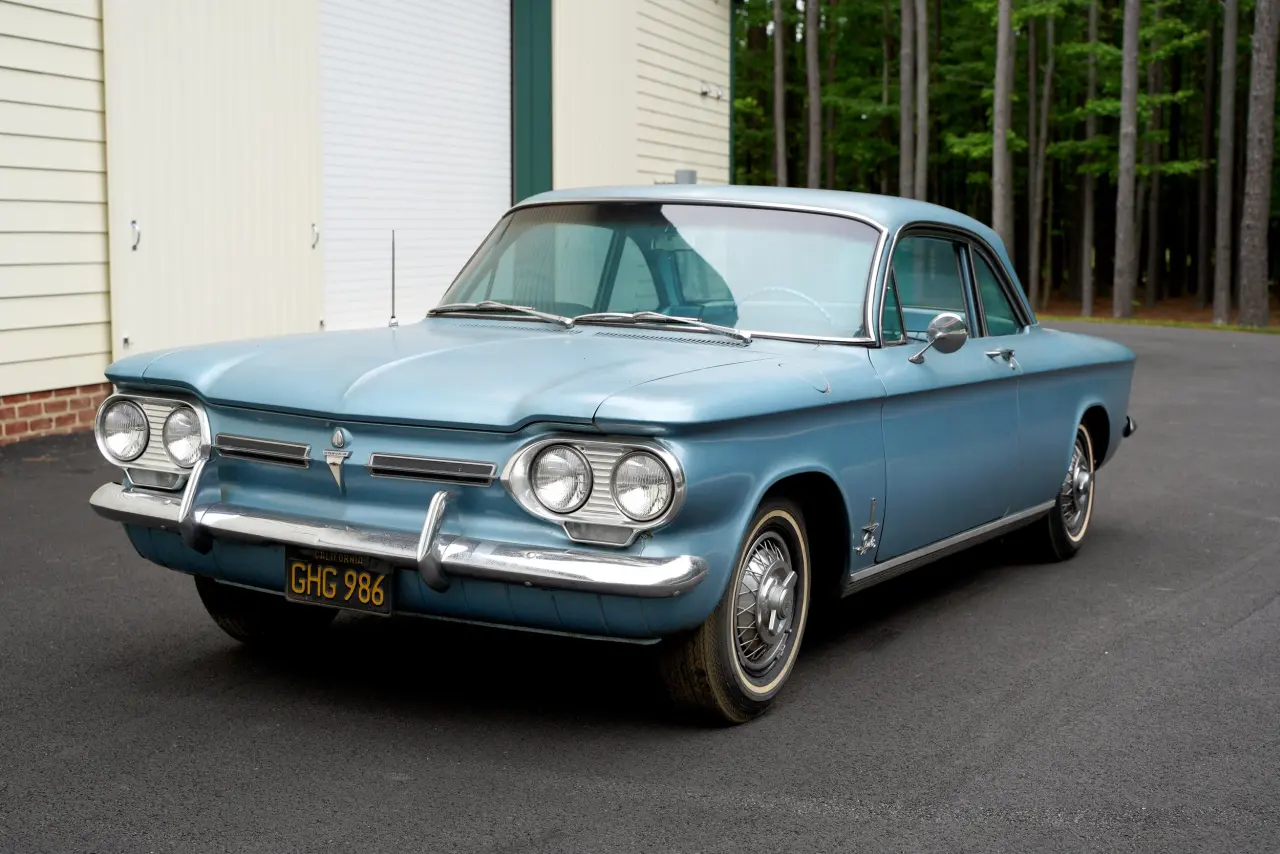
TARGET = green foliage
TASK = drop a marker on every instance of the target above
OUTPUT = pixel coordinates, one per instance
(861, 113)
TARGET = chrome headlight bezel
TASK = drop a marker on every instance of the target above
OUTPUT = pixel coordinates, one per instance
(166, 442)
(599, 520)
(572, 453)
(160, 471)
(100, 430)
(613, 486)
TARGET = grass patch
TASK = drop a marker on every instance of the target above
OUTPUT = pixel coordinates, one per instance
(1180, 324)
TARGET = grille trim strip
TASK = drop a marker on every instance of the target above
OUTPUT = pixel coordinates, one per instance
(263, 450)
(466, 472)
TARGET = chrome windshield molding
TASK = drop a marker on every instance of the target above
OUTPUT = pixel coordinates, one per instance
(587, 199)
(603, 455)
(271, 451)
(896, 566)
(465, 472)
(870, 304)
(510, 563)
(156, 408)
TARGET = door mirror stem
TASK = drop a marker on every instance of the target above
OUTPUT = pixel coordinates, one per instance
(947, 334)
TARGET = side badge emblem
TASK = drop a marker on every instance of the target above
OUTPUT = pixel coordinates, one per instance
(335, 459)
(869, 532)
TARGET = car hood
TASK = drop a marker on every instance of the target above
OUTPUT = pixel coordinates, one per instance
(481, 374)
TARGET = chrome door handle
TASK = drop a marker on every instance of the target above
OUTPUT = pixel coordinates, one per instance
(137, 234)
(1005, 353)
(315, 235)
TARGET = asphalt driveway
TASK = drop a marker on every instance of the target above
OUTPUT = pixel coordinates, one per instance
(1128, 700)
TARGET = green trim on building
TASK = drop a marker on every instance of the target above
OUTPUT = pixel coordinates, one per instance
(530, 98)
(733, 52)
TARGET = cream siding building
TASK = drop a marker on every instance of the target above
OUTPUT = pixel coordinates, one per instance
(177, 172)
(54, 307)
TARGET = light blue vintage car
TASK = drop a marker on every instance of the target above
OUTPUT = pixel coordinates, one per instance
(680, 414)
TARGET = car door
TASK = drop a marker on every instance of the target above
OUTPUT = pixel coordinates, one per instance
(950, 421)
(1046, 411)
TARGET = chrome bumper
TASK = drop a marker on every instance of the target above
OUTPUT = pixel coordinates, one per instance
(435, 556)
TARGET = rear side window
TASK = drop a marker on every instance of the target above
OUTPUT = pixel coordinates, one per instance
(999, 311)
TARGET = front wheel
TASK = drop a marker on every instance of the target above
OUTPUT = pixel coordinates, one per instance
(1062, 532)
(260, 619)
(732, 666)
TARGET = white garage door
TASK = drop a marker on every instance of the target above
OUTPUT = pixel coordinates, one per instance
(416, 110)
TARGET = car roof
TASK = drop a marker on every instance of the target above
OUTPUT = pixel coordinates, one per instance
(891, 212)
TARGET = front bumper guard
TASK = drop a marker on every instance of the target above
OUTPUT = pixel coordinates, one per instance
(434, 555)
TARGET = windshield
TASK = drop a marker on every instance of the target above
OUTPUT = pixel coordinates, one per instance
(756, 269)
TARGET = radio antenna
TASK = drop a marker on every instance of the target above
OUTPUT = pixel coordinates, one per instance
(393, 322)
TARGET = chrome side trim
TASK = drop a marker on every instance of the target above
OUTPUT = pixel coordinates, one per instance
(431, 469)
(510, 563)
(263, 450)
(911, 560)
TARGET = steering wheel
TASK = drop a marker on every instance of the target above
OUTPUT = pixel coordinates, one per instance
(813, 302)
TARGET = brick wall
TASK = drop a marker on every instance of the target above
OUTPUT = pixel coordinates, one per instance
(46, 413)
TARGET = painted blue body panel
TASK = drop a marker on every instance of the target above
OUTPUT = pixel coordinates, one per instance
(941, 447)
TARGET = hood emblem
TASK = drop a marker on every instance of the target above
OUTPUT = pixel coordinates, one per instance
(335, 459)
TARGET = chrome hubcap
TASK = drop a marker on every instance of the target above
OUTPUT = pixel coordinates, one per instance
(765, 604)
(1077, 489)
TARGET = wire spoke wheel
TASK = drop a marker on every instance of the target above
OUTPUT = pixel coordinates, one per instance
(1077, 489)
(765, 603)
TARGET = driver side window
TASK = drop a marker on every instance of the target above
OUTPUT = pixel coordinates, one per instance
(927, 273)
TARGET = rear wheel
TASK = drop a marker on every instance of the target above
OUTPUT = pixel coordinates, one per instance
(260, 619)
(1060, 535)
(731, 667)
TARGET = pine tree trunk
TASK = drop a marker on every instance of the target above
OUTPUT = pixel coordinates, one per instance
(779, 97)
(813, 73)
(1126, 222)
(1090, 182)
(1001, 161)
(886, 62)
(886, 42)
(1255, 219)
(1038, 161)
(1155, 252)
(1033, 235)
(922, 100)
(1226, 160)
(1047, 289)
(906, 101)
(1204, 263)
(829, 134)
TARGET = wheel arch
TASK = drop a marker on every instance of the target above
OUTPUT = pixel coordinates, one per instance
(1097, 421)
(826, 518)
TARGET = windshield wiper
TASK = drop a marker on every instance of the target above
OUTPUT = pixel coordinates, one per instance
(491, 305)
(655, 317)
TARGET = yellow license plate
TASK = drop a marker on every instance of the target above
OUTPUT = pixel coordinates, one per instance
(336, 579)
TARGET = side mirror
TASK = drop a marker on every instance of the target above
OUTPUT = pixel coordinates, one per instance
(947, 334)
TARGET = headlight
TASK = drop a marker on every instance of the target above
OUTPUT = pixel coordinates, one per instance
(124, 431)
(642, 486)
(182, 436)
(561, 479)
